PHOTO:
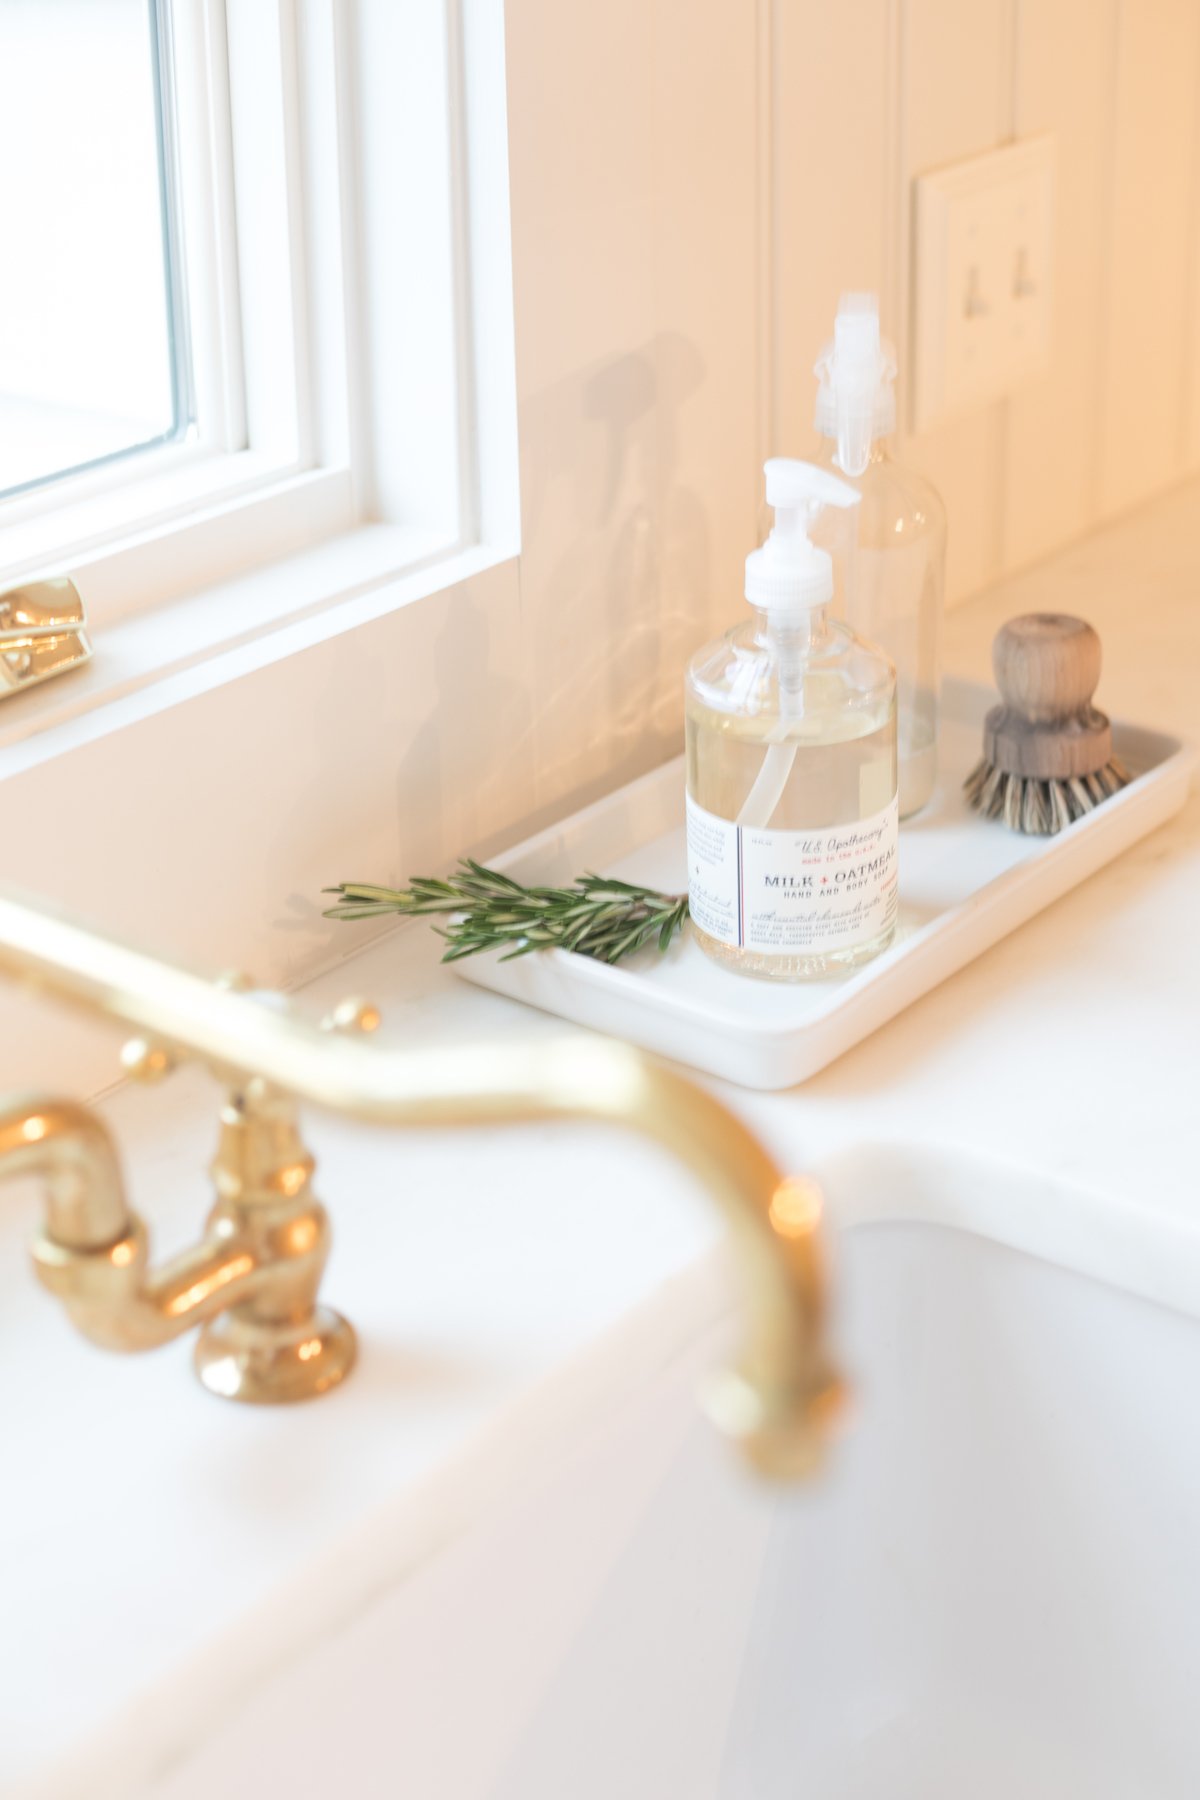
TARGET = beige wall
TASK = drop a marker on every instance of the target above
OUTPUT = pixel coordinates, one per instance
(693, 184)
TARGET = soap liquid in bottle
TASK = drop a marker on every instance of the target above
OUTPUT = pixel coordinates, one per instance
(792, 766)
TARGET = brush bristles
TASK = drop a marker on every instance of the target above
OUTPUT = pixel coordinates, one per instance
(1041, 808)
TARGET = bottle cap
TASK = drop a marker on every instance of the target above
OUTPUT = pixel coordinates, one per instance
(789, 573)
(856, 402)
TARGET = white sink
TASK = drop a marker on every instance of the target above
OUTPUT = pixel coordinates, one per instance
(993, 1594)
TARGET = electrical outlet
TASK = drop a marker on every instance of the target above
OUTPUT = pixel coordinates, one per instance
(983, 300)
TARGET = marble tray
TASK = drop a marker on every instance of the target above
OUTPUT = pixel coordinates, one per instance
(965, 882)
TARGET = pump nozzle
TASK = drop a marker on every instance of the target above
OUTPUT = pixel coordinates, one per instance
(787, 577)
(855, 402)
(798, 491)
(789, 572)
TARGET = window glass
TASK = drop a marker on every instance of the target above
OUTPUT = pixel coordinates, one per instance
(93, 358)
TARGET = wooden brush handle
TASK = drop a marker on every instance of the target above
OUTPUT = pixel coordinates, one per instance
(1047, 666)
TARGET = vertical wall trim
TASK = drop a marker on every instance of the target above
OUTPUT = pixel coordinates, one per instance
(1104, 337)
(903, 224)
(1009, 56)
(468, 460)
(343, 32)
(766, 229)
(1009, 101)
(891, 297)
(1189, 387)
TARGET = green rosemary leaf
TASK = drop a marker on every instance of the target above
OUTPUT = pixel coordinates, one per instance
(360, 890)
(632, 940)
(493, 876)
(598, 884)
(521, 948)
(358, 912)
(596, 916)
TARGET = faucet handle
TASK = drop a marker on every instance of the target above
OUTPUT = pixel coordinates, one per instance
(352, 1017)
(273, 1341)
(150, 1060)
(146, 1060)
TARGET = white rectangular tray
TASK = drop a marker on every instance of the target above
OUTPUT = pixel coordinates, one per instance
(965, 882)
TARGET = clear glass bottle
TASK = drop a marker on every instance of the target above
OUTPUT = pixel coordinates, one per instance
(896, 589)
(791, 764)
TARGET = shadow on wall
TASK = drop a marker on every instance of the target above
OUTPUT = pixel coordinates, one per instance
(505, 715)
(615, 575)
(467, 771)
(448, 729)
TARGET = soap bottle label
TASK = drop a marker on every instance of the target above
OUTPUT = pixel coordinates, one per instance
(794, 892)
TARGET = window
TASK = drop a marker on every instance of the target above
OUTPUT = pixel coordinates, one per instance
(271, 307)
(302, 565)
(93, 356)
(174, 385)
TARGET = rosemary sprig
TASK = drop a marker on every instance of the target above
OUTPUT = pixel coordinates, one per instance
(595, 917)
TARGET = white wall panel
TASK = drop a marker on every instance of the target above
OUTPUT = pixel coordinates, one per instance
(955, 102)
(832, 127)
(633, 168)
(1065, 83)
(1192, 432)
(1150, 328)
(1116, 81)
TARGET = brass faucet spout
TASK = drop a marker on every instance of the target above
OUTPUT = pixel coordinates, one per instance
(777, 1403)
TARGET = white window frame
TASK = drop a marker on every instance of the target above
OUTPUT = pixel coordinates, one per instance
(290, 460)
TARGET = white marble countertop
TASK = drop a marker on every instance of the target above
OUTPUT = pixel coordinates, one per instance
(161, 1552)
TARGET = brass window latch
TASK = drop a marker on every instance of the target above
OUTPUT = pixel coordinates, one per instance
(251, 1283)
(43, 632)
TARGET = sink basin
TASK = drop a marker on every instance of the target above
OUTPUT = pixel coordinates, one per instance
(991, 1593)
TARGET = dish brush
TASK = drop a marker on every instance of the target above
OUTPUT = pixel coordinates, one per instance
(1047, 751)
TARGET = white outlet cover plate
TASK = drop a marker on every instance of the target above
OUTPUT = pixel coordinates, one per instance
(984, 279)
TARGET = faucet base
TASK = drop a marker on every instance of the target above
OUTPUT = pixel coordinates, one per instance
(242, 1358)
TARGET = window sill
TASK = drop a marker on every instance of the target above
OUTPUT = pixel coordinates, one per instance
(147, 663)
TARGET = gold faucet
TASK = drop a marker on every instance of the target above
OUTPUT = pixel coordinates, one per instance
(251, 1283)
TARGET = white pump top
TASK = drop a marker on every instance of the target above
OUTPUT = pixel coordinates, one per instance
(789, 574)
(855, 399)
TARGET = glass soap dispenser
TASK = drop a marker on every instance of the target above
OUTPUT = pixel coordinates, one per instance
(895, 591)
(792, 817)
